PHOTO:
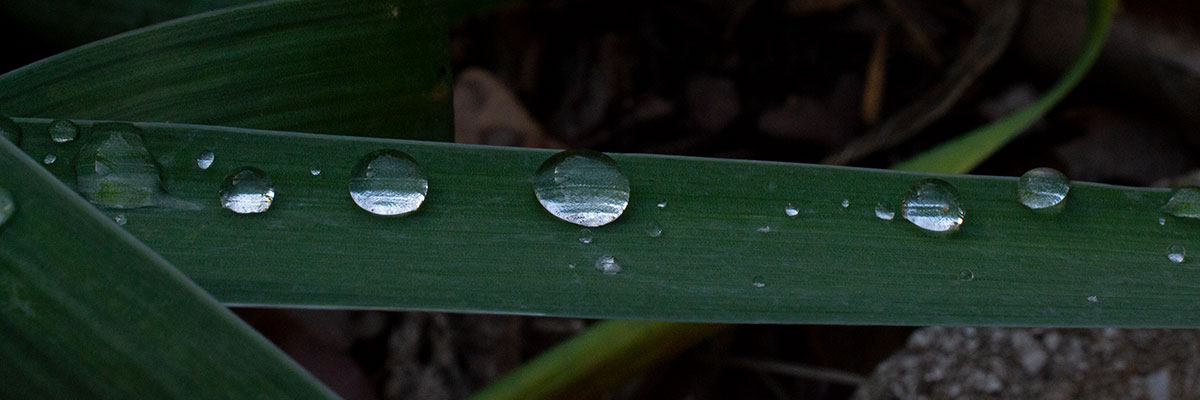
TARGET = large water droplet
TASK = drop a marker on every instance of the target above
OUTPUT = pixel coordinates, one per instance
(205, 159)
(585, 236)
(1043, 189)
(10, 130)
(247, 191)
(50, 158)
(8, 206)
(582, 187)
(62, 131)
(388, 182)
(1184, 202)
(114, 169)
(884, 211)
(933, 205)
(1176, 253)
(791, 210)
(608, 265)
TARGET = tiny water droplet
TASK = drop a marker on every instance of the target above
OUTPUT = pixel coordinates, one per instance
(791, 210)
(758, 282)
(582, 187)
(1043, 189)
(63, 131)
(247, 191)
(585, 236)
(966, 275)
(1176, 253)
(1184, 202)
(846, 203)
(884, 211)
(765, 229)
(933, 205)
(608, 265)
(8, 206)
(114, 168)
(1093, 299)
(315, 171)
(120, 219)
(662, 204)
(653, 229)
(571, 266)
(205, 159)
(10, 130)
(49, 159)
(1162, 221)
(388, 182)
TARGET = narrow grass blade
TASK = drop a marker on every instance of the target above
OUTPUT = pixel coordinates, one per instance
(354, 67)
(482, 243)
(87, 311)
(964, 153)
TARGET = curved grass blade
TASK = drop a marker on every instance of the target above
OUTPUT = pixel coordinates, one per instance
(356, 67)
(482, 243)
(965, 152)
(87, 311)
(68, 22)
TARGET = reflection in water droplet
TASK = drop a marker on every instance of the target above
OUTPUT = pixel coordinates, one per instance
(205, 159)
(315, 171)
(582, 187)
(388, 182)
(10, 130)
(63, 131)
(758, 282)
(846, 203)
(1043, 189)
(884, 211)
(1093, 299)
(1176, 253)
(120, 219)
(966, 275)
(791, 210)
(8, 206)
(247, 191)
(653, 229)
(933, 205)
(585, 236)
(114, 169)
(1184, 202)
(49, 159)
(608, 265)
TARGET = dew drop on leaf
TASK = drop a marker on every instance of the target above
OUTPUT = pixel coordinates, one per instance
(49, 159)
(63, 131)
(388, 182)
(791, 210)
(247, 191)
(114, 169)
(884, 211)
(205, 159)
(608, 265)
(933, 205)
(582, 187)
(1176, 253)
(1043, 189)
(1184, 202)
(585, 236)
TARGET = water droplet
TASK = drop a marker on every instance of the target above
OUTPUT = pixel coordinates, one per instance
(582, 187)
(388, 182)
(1162, 221)
(1176, 253)
(884, 211)
(10, 130)
(49, 159)
(585, 236)
(966, 275)
(8, 206)
(846, 203)
(1184, 202)
(662, 204)
(1093, 299)
(1043, 189)
(653, 229)
(791, 210)
(205, 159)
(765, 229)
(114, 169)
(63, 131)
(247, 191)
(933, 205)
(608, 265)
(571, 266)
(315, 171)
(120, 219)
(758, 282)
